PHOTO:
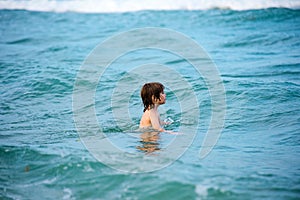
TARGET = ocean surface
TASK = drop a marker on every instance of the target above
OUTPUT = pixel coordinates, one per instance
(257, 53)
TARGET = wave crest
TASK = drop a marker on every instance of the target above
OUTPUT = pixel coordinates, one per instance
(110, 6)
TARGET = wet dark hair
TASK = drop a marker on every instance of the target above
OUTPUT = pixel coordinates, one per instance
(150, 90)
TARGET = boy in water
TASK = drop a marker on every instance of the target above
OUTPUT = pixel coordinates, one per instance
(153, 96)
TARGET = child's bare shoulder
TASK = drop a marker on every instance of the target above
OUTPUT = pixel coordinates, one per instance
(145, 120)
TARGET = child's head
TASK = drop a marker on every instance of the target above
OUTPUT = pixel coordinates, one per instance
(151, 93)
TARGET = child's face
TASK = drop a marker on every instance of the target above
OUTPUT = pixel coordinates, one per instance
(162, 99)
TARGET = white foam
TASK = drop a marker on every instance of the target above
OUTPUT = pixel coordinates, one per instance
(107, 6)
(67, 193)
(201, 190)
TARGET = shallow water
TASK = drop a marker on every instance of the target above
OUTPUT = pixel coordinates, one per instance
(256, 157)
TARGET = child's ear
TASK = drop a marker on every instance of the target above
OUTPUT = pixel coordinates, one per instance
(154, 99)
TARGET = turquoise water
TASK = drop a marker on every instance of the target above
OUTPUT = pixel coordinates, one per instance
(256, 157)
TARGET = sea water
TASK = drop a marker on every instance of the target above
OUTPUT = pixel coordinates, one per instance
(255, 48)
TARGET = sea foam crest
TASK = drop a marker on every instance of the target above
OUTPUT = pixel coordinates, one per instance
(106, 6)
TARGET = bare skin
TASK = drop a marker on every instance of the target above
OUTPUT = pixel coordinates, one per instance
(151, 117)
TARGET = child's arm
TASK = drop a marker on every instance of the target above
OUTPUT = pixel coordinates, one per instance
(162, 122)
(155, 121)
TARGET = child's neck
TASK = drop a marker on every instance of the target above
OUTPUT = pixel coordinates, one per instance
(154, 107)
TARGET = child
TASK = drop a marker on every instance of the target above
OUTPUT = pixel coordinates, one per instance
(153, 96)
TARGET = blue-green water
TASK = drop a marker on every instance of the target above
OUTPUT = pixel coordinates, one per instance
(257, 156)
